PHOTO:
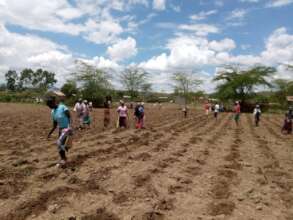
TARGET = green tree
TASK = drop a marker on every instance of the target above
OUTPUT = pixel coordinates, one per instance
(69, 88)
(11, 80)
(43, 79)
(133, 79)
(283, 88)
(95, 83)
(236, 84)
(185, 84)
(25, 79)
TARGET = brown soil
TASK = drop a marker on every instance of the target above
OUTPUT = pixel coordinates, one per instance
(176, 168)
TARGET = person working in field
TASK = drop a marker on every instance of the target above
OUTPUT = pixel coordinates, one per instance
(79, 109)
(86, 114)
(257, 114)
(216, 110)
(207, 108)
(237, 111)
(184, 110)
(287, 127)
(139, 115)
(122, 115)
(61, 118)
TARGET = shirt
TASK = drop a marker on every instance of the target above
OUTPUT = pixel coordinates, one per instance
(122, 111)
(60, 117)
(217, 108)
(237, 109)
(256, 110)
(79, 108)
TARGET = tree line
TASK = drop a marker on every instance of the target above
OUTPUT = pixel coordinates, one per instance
(249, 85)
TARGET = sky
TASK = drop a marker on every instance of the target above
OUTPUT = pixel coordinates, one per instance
(161, 36)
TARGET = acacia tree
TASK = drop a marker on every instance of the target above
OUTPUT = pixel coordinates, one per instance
(185, 84)
(69, 88)
(236, 84)
(134, 80)
(95, 83)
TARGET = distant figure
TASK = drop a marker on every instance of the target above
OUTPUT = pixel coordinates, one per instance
(290, 112)
(237, 111)
(107, 113)
(257, 114)
(91, 106)
(207, 108)
(287, 127)
(79, 109)
(216, 110)
(86, 114)
(122, 115)
(61, 118)
(139, 115)
(184, 110)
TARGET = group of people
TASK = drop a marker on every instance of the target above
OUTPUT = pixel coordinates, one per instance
(216, 108)
(139, 115)
(83, 109)
(62, 119)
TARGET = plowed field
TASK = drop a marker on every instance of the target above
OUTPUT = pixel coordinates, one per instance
(176, 168)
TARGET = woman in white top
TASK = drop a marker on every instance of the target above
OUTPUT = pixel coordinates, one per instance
(122, 114)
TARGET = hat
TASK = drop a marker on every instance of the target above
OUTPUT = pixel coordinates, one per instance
(121, 102)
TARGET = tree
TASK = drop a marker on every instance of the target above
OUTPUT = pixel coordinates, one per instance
(236, 84)
(42, 79)
(95, 83)
(283, 89)
(2, 87)
(184, 84)
(133, 79)
(25, 79)
(146, 90)
(11, 80)
(69, 88)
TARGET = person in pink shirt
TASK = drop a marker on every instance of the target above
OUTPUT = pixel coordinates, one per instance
(237, 111)
(207, 108)
(122, 114)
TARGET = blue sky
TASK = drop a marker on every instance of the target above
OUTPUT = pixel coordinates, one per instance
(161, 36)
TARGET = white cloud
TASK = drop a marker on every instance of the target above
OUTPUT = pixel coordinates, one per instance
(189, 52)
(123, 49)
(202, 15)
(52, 15)
(159, 5)
(200, 29)
(279, 3)
(223, 45)
(238, 14)
(31, 51)
(104, 32)
(279, 47)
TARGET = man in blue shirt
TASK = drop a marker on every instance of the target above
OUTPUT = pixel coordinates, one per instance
(61, 117)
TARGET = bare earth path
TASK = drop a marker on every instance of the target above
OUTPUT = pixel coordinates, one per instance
(194, 168)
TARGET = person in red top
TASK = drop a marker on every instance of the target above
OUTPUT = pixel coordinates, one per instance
(237, 111)
(207, 108)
